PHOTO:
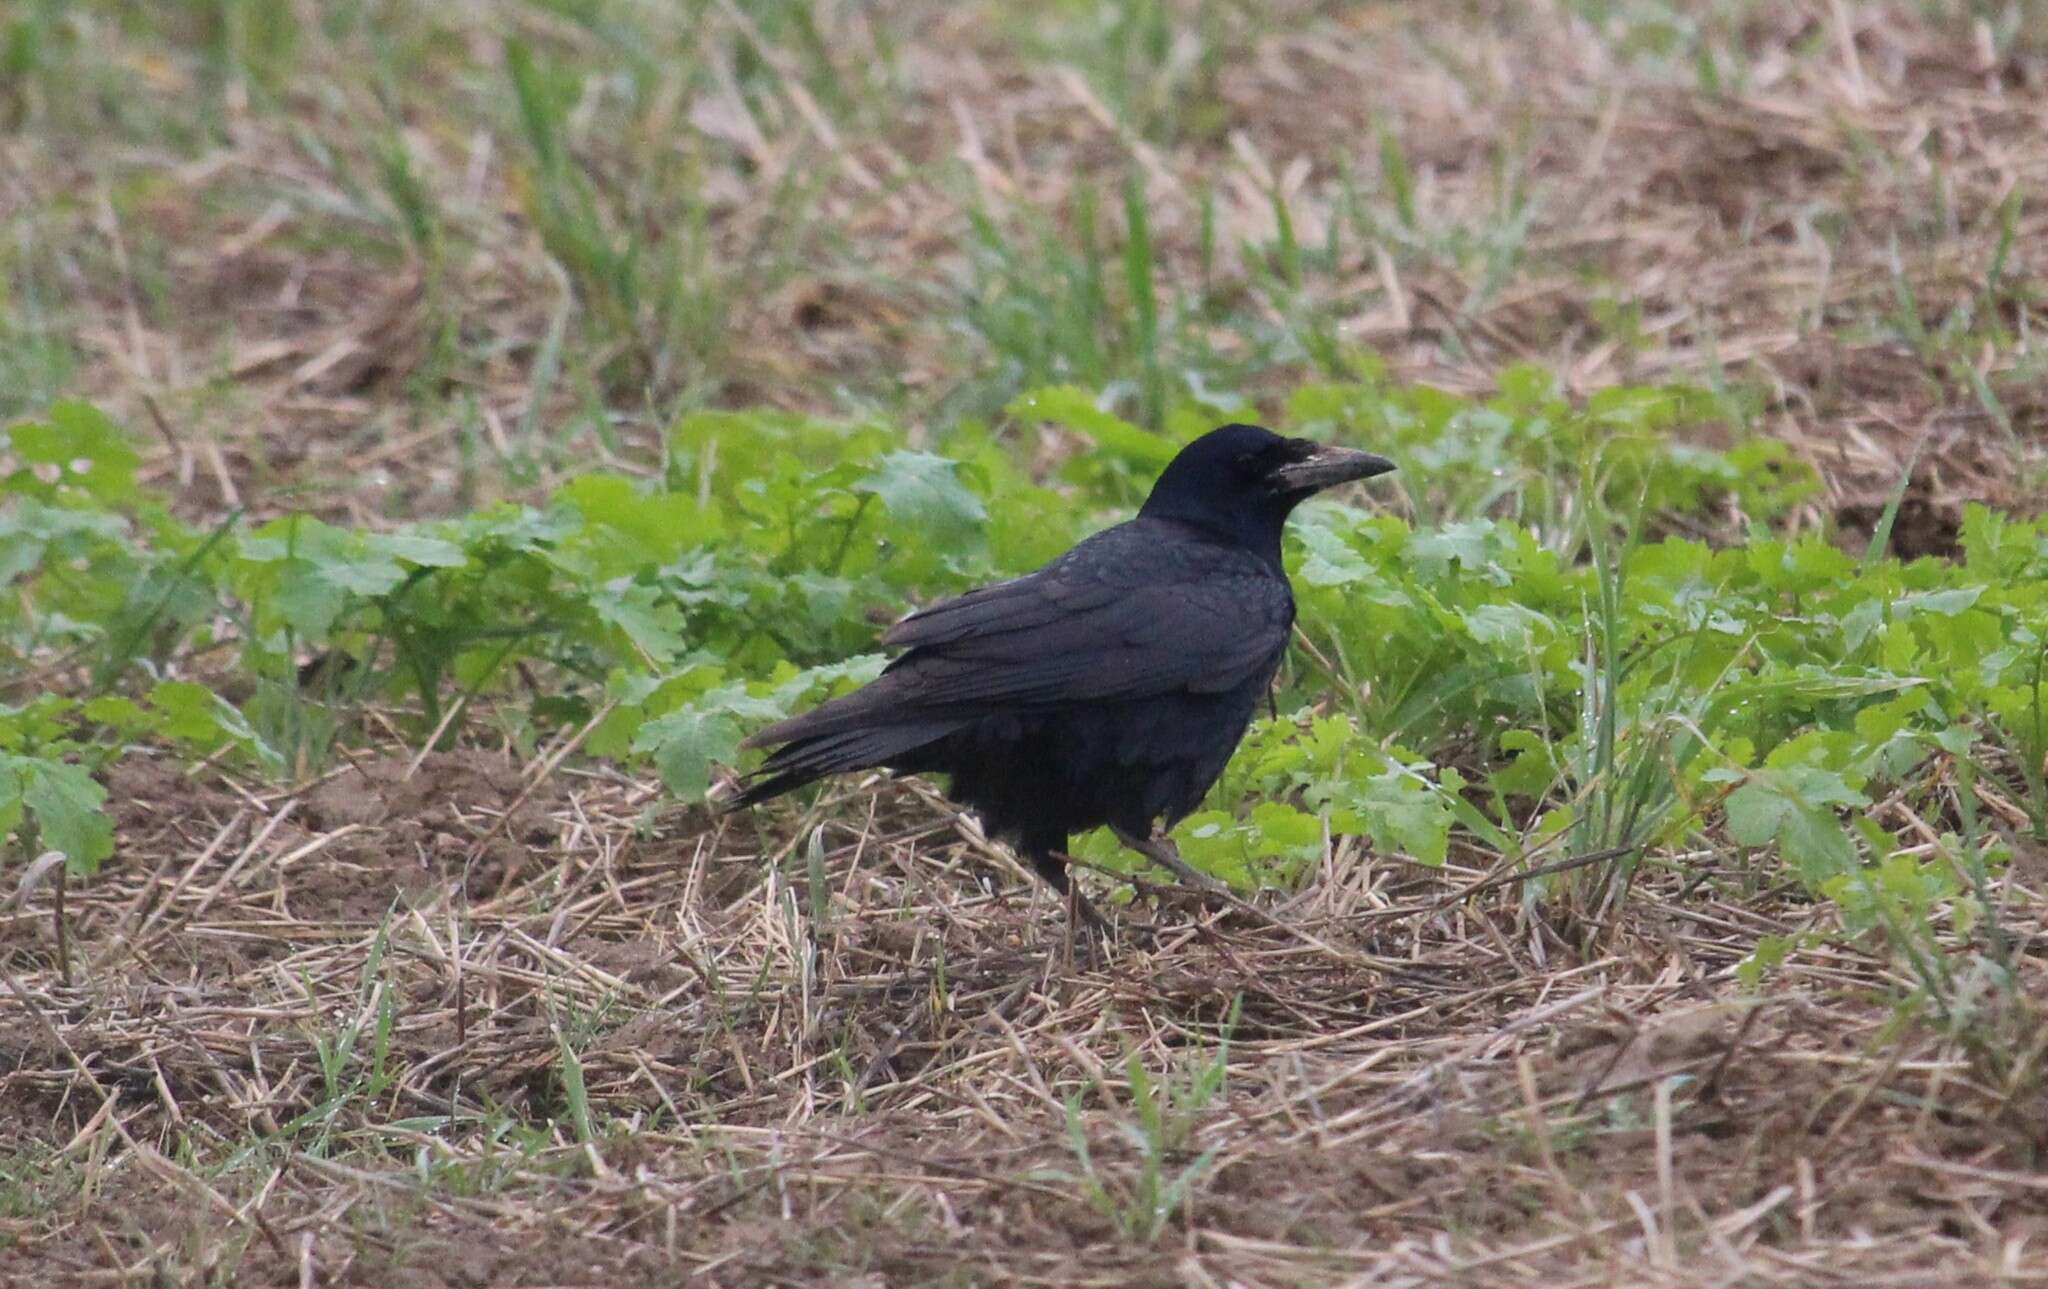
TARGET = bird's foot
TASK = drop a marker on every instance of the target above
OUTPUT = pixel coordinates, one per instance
(1161, 851)
(1072, 933)
(1087, 934)
(1090, 940)
(1082, 913)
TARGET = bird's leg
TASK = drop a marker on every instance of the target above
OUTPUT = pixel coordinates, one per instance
(1084, 926)
(1067, 935)
(1052, 867)
(1081, 914)
(1160, 850)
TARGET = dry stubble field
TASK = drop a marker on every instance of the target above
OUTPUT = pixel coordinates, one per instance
(490, 1012)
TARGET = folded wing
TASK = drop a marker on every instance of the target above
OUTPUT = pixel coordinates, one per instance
(1093, 627)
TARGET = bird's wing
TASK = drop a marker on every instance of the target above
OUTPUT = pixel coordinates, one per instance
(1137, 611)
(1092, 631)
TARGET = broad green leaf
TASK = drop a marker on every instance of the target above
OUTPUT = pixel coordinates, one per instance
(67, 805)
(1534, 770)
(925, 490)
(647, 619)
(1397, 809)
(1947, 603)
(1515, 626)
(685, 743)
(1076, 409)
(649, 527)
(418, 548)
(1330, 560)
(309, 601)
(91, 452)
(1794, 808)
(194, 714)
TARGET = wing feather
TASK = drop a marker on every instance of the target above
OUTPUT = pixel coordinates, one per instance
(1130, 618)
(1139, 611)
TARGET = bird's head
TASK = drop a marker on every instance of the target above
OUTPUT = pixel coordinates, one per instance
(1242, 481)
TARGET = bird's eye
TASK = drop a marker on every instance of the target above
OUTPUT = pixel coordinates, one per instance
(1249, 465)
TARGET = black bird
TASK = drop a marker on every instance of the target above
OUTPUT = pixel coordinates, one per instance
(1110, 686)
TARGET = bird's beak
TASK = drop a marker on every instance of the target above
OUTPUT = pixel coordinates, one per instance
(1326, 468)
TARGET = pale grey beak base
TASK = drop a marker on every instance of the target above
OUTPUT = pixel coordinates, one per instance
(1328, 468)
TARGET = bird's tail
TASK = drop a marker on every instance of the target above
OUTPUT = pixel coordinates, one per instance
(827, 741)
